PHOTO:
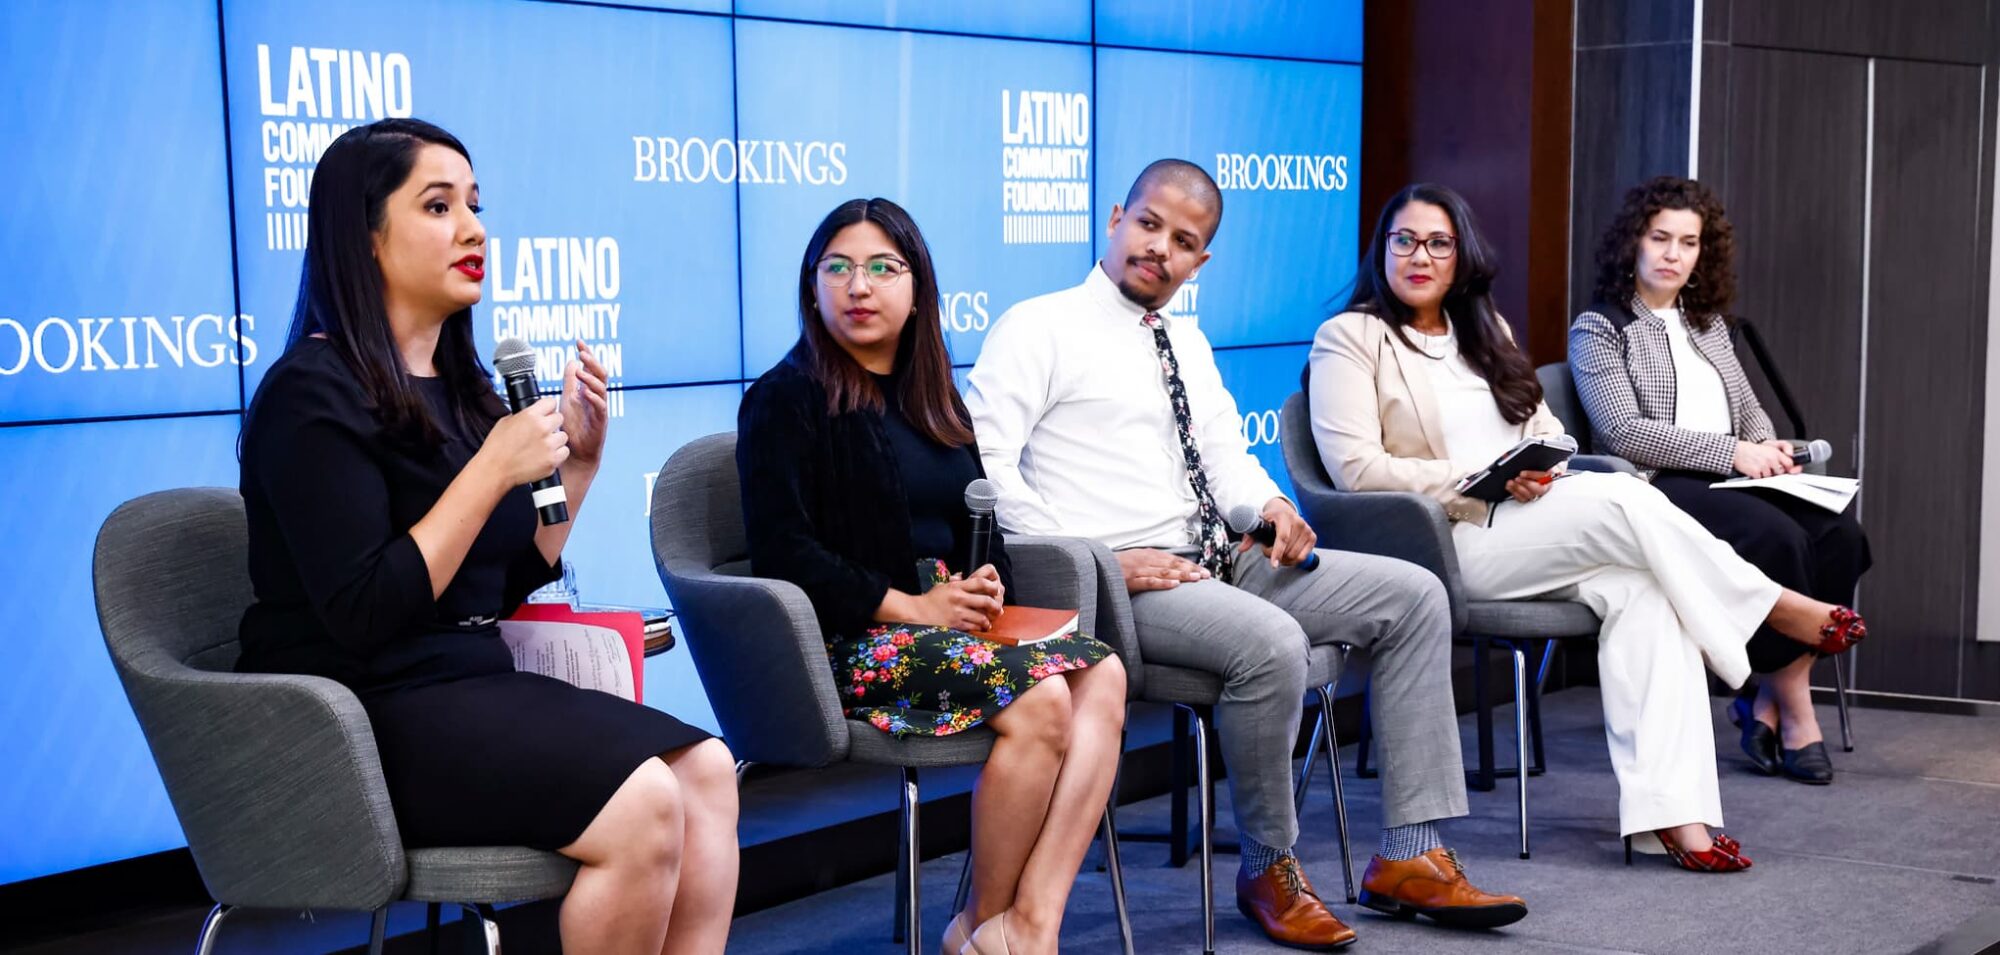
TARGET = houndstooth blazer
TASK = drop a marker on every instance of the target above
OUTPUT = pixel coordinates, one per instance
(1624, 375)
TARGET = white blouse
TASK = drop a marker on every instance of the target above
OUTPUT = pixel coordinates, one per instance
(1700, 402)
(1475, 433)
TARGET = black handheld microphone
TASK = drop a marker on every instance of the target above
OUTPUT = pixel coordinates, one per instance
(1247, 522)
(515, 362)
(1815, 452)
(981, 496)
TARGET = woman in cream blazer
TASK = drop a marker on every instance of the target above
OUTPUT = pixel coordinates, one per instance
(1418, 383)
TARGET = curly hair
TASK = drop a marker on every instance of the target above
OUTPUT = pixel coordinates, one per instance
(1711, 286)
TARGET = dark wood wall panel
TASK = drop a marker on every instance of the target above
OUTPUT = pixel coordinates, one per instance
(1713, 149)
(1925, 365)
(1628, 22)
(1631, 124)
(1793, 184)
(1492, 146)
(1953, 30)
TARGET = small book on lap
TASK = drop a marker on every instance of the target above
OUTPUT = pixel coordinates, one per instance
(1020, 626)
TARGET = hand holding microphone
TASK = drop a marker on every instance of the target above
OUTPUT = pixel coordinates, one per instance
(1254, 527)
(972, 601)
(1759, 460)
(1816, 451)
(529, 443)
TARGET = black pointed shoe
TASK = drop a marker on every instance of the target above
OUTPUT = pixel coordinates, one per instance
(1809, 764)
(1760, 742)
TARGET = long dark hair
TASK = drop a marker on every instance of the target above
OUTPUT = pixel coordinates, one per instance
(341, 288)
(1468, 303)
(928, 399)
(1712, 284)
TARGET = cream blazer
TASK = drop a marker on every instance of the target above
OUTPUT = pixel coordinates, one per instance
(1375, 415)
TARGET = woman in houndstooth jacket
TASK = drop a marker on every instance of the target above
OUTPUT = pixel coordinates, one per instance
(1656, 369)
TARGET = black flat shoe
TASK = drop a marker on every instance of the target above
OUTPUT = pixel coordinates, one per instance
(1760, 742)
(1739, 710)
(1809, 764)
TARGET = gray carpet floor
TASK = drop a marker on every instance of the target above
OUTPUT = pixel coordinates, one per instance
(1900, 851)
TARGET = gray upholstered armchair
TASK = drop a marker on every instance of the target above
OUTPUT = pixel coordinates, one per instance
(274, 778)
(757, 646)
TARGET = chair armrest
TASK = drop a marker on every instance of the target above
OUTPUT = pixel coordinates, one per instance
(1114, 616)
(756, 644)
(1400, 524)
(277, 784)
(1609, 463)
(1056, 572)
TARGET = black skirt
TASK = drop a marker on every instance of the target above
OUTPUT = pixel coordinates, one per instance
(510, 758)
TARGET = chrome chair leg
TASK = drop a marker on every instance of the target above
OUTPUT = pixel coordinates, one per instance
(210, 927)
(964, 883)
(912, 924)
(1117, 874)
(1206, 808)
(1840, 699)
(378, 930)
(1331, 748)
(1304, 781)
(479, 918)
(1521, 739)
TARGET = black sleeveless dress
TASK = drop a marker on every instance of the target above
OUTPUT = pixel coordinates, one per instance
(474, 753)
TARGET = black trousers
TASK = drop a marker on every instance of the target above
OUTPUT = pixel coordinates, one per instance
(1803, 547)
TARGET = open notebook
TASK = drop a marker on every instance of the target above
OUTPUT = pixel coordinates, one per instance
(1832, 493)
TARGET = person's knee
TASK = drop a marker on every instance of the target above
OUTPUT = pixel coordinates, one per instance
(1849, 539)
(1042, 715)
(653, 813)
(1782, 549)
(707, 775)
(1419, 607)
(1270, 652)
(1105, 700)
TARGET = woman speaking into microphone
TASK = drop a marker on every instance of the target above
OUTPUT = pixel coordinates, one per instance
(390, 528)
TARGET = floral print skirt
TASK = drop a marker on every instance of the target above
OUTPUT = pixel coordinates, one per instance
(910, 679)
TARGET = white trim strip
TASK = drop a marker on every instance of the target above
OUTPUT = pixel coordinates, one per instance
(1694, 98)
(1987, 624)
(551, 495)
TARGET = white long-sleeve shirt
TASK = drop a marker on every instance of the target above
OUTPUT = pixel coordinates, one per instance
(1070, 406)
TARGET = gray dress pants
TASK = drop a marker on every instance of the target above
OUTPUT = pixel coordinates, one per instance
(1255, 634)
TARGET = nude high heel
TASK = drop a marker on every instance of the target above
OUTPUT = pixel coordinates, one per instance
(990, 938)
(954, 936)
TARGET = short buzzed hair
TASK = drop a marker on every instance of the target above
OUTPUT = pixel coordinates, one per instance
(1188, 178)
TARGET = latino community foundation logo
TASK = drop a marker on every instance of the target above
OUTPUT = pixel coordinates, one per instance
(553, 290)
(322, 93)
(1044, 167)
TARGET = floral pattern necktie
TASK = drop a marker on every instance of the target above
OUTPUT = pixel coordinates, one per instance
(1214, 538)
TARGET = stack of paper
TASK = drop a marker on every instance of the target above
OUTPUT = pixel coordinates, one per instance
(1832, 493)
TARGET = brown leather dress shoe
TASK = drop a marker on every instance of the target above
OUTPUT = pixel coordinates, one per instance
(1285, 906)
(1434, 884)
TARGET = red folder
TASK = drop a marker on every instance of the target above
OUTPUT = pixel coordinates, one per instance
(630, 625)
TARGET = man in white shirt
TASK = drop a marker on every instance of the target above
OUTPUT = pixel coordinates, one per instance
(1099, 417)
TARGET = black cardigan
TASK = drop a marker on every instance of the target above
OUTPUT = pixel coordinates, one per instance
(823, 501)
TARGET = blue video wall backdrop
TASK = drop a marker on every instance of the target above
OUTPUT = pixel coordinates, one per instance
(651, 172)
